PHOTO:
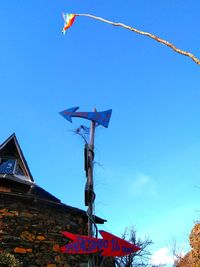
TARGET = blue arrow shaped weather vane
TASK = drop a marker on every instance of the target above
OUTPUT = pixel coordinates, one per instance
(102, 117)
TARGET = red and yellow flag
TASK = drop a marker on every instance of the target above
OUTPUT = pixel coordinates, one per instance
(69, 20)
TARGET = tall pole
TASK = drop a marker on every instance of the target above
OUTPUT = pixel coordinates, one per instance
(102, 118)
(91, 187)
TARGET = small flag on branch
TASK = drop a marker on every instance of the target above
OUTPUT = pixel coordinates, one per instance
(69, 20)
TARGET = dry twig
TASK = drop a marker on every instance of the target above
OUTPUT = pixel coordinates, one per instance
(150, 35)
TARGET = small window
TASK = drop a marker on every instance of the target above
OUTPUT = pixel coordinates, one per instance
(7, 166)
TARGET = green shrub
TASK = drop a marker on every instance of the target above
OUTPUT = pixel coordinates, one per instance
(7, 259)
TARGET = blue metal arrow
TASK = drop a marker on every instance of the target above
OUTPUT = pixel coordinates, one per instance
(102, 117)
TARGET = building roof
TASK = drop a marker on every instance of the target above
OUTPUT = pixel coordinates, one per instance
(17, 180)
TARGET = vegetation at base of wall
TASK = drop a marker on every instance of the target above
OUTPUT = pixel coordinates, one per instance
(7, 259)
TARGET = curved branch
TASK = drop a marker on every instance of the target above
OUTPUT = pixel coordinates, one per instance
(150, 35)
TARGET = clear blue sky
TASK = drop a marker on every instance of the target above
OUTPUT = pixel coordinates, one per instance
(150, 153)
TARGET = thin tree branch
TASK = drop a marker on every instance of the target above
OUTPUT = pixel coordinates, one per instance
(150, 35)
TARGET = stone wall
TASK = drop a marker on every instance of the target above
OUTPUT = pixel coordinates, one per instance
(30, 229)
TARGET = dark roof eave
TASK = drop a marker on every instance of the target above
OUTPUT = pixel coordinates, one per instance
(15, 179)
(61, 205)
(38, 190)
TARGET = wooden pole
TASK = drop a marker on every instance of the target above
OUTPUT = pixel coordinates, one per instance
(91, 187)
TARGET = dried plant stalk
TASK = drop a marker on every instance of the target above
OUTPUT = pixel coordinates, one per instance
(150, 35)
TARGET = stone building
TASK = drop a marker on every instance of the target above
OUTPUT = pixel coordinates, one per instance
(32, 219)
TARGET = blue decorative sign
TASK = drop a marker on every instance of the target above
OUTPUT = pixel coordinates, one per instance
(8, 166)
(102, 118)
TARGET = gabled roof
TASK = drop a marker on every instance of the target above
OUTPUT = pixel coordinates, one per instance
(11, 149)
